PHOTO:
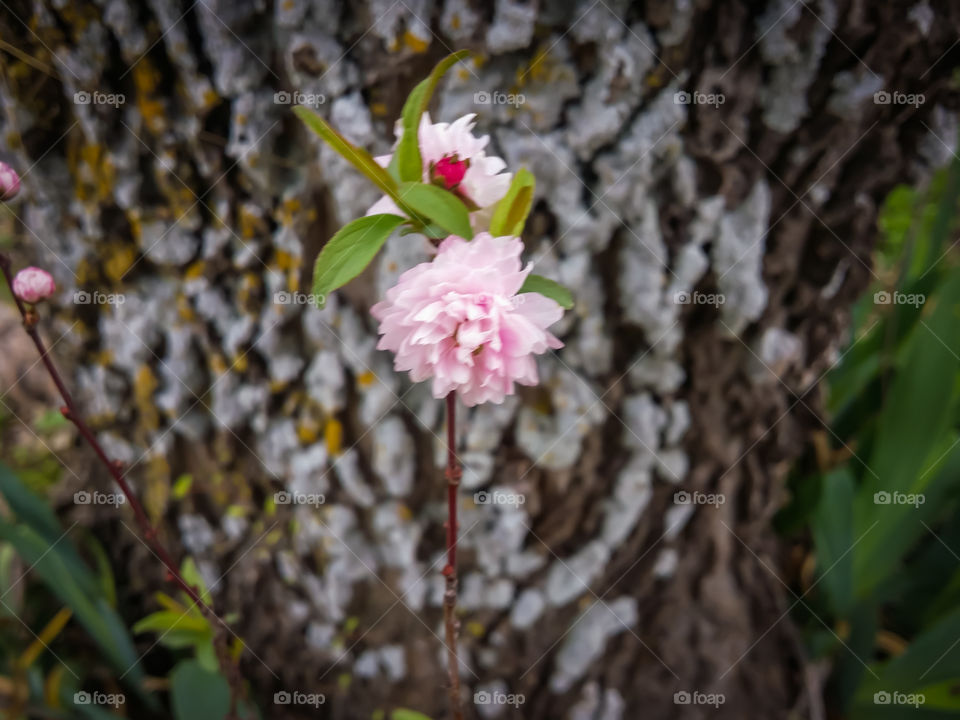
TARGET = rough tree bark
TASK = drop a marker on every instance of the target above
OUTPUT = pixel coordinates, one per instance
(197, 197)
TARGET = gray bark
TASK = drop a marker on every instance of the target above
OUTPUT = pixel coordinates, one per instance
(200, 197)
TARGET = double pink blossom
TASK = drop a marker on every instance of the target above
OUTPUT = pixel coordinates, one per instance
(460, 320)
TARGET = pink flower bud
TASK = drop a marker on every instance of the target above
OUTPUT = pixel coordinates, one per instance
(9, 182)
(33, 285)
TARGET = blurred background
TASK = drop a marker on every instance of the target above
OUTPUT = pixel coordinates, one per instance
(734, 493)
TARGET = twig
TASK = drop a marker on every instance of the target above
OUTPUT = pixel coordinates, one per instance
(450, 621)
(115, 468)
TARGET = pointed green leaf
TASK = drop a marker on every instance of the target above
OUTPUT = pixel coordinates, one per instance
(404, 714)
(406, 162)
(548, 288)
(511, 212)
(356, 156)
(350, 251)
(443, 208)
(197, 693)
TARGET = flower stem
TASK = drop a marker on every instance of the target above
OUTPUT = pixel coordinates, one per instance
(450, 621)
(115, 468)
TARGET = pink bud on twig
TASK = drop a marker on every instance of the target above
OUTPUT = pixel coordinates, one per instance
(33, 285)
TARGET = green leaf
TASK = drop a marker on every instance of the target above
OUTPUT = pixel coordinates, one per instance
(548, 288)
(406, 162)
(511, 212)
(440, 206)
(356, 156)
(832, 528)
(404, 714)
(350, 251)
(912, 435)
(197, 693)
(91, 609)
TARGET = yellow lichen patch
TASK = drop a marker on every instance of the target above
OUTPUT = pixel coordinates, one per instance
(365, 379)
(308, 430)
(92, 171)
(288, 211)
(251, 224)
(236, 511)
(240, 363)
(475, 628)
(415, 43)
(218, 364)
(284, 260)
(195, 270)
(118, 261)
(157, 493)
(654, 79)
(146, 80)
(104, 357)
(250, 285)
(333, 436)
(86, 272)
(541, 68)
(182, 486)
(184, 309)
(144, 385)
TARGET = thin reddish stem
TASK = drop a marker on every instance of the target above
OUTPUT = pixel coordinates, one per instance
(451, 624)
(70, 412)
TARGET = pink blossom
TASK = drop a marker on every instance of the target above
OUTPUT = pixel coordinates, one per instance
(9, 182)
(454, 158)
(33, 285)
(459, 320)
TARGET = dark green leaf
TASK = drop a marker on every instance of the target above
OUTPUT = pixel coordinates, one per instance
(350, 251)
(404, 714)
(92, 611)
(441, 207)
(197, 693)
(511, 212)
(833, 538)
(406, 163)
(548, 288)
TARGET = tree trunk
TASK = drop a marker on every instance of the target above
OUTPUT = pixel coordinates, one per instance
(708, 176)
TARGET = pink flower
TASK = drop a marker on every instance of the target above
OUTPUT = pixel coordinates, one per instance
(459, 320)
(454, 159)
(33, 285)
(9, 182)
